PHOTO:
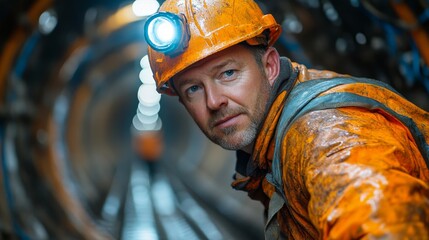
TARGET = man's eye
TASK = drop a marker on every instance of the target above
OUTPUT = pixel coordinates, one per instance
(192, 89)
(229, 73)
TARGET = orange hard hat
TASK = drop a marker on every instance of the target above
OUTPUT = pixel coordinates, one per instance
(212, 25)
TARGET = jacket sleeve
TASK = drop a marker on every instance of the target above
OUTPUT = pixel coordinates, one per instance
(362, 173)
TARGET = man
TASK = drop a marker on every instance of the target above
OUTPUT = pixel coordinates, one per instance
(330, 156)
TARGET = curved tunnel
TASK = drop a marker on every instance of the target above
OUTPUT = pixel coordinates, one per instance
(69, 169)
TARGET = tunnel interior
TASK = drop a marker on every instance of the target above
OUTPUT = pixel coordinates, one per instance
(69, 79)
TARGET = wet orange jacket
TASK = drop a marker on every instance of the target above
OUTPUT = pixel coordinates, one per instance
(347, 172)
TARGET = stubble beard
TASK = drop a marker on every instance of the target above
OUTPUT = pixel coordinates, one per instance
(232, 138)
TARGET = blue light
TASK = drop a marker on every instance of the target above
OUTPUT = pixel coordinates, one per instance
(164, 31)
(167, 33)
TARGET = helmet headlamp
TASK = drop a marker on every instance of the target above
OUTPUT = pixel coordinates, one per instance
(167, 33)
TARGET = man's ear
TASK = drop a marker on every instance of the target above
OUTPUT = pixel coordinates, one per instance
(271, 61)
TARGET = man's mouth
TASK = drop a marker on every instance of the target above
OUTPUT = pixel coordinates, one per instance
(226, 121)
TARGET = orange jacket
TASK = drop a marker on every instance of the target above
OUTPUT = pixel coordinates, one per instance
(346, 173)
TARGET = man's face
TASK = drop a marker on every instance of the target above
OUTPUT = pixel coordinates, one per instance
(226, 94)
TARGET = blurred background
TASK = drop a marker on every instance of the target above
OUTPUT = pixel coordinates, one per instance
(89, 151)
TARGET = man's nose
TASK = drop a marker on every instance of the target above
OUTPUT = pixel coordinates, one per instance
(215, 97)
